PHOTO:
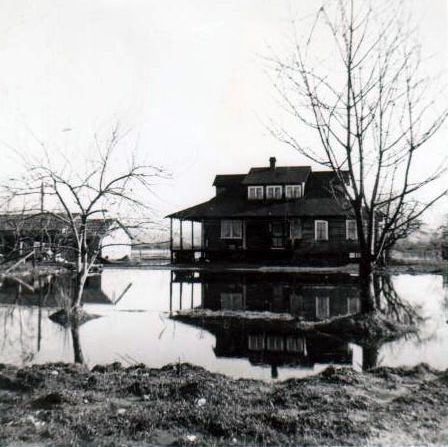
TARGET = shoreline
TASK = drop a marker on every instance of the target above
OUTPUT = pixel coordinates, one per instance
(395, 267)
(182, 404)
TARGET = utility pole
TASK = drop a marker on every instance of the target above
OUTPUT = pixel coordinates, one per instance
(42, 195)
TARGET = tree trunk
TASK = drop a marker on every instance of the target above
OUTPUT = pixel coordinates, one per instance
(365, 281)
(77, 350)
(80, 282)
(369, 357)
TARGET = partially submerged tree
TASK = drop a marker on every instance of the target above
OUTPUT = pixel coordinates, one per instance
(90, 203)
(372, 110)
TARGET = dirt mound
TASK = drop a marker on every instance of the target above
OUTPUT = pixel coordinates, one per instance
(182, 404)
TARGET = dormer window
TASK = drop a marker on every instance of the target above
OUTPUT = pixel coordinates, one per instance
(274, 192)
(255, 192)
(293, 191)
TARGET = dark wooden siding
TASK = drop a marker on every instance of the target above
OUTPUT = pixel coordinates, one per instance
(259, 237)
(337, 241)
(213, 241)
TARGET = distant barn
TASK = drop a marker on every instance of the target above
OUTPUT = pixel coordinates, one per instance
(49, 235)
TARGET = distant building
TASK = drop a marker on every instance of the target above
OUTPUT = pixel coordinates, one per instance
(272, 213)
(51, 236)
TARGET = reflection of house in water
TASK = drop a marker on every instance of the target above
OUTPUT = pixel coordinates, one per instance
(308, 296)
(49, 291)
(275, 342)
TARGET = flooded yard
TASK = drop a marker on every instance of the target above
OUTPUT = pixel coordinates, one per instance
(134, 324)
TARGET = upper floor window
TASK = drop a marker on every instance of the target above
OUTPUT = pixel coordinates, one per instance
(274, 192)
(255, 192)
(321, 230)
(351, 230)
(293, 191)
(231, 229)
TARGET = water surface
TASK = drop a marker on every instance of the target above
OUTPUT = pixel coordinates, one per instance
(138, 328)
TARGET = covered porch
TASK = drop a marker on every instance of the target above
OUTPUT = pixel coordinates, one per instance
(229, 239)
(186, 240)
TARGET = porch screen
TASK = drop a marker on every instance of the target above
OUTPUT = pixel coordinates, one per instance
(231, 229)
(321, 230)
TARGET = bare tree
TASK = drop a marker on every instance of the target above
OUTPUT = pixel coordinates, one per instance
(88, 203)
(372, 110)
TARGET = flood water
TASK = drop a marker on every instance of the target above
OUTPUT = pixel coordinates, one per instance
(134, 324)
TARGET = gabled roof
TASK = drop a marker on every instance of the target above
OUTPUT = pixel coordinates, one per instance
(324, 183)
(277, 175)
(228, 179)
(323, 195)
(32, 223)
(228, 206)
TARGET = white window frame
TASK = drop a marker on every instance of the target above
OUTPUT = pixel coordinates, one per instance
(275, 343)
(316, 223)
(290, 191)
(294, 344)
(271, 194)
(351, 236)
(234, 232)
(256, 342)
(256, 190)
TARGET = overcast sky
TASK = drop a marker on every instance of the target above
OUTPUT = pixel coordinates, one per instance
(186, 75)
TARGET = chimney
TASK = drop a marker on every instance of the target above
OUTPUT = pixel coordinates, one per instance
(272, 161)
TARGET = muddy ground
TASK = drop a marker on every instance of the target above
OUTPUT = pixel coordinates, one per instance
(185, 405)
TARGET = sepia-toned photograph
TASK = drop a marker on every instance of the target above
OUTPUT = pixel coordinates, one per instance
(223, 223)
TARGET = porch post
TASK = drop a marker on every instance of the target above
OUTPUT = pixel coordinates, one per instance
(171, 240)
(202, 234)
(192, 235)
(202, 239)
(180, 294)
(171, 292)
(181, 235)
(244, 235)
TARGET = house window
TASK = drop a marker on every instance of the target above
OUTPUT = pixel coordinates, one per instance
(255, 192)
(353, 305)
(232, 301)
(278, 234)
(294, 344)
(275, 343)
(231, 229)
(322, 307)
(321, 230)
(295, 304)
(274, 192)
(256, 342)
(295, 229)
(351, 230)
(293, 191)
(354, 255)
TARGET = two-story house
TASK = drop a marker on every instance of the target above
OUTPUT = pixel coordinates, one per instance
(288, 214)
